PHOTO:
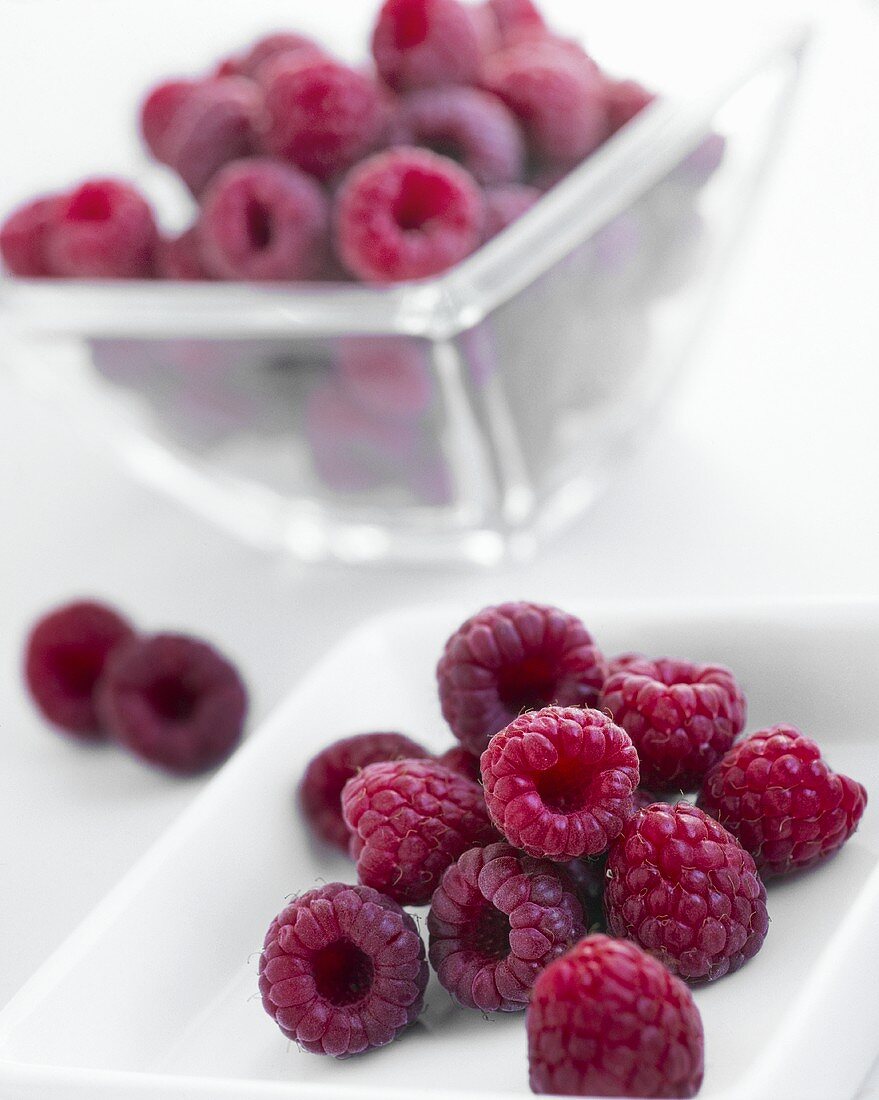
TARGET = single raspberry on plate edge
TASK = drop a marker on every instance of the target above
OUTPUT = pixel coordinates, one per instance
(342, 970)
(24, 237)
(424, 43)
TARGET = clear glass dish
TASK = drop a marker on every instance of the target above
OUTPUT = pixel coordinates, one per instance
(466, 417)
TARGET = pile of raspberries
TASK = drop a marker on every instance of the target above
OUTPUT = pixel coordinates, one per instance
(307, 168)
(564, 873)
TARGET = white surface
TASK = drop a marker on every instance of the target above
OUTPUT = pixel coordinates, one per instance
(158, 984)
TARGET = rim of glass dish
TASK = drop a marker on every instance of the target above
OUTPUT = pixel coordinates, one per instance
(438, 308)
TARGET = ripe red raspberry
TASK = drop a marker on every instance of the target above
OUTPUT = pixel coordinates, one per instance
(681, 717)
(266, 49)
(406, 214)
(516, 19)
(180, 257)
(496, 920)
(559, 783)
(608, 1020)
(513, 658)
(24, 237)
(410, 820)
(157, 112)
(104, 229)
(320, 792)
(263, 221)
(173, 701)
(504, 205)
(342, 970)
(65, 655)
(683, 888)
(470, 126)
(391, 377)
(424, 43)
(323, 116)
(781, 801)
(623, 99)
(462, 762)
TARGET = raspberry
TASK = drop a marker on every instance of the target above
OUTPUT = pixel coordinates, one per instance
(24, 237)
(180, 257)
(158, 110)
(411, 819)
(388, 377)
(470, 126)
(263, 221)
(559, 783)
(266, 49)
(320, 792)
(556, 94)
(104, 229)
(342, 970)
(496, 920)
(516, 19)
(513, 658)
(504, 205)
(172, 700)
(424, 43)
(608, 1020)
(406, 214)
(64, 658)
(459, 760)
(683, 888)
(682, 717)
(781, 801)
(623, 99)
(323, 116)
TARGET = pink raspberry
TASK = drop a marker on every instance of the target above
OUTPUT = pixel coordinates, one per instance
(504, 205)
(320, 792)
(105, 229)
(608, 1020)
(180, 257)
(406, 214)
(342, 970)
(263, 221)
(173, 701)
(497, 918)
(781, 801)
(470, 126)
(391, 377)
(559, 783)
(157, 113)
(682, 717)
(266, 49)
(24, 237)
(685, 890)
(64, 658)
(623, 99)
(513, 658)
(323, 116)
(424, 43)
(516, 19)
(410, 820)
(459, 760)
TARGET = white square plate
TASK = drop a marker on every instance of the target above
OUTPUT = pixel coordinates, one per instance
(155, 994)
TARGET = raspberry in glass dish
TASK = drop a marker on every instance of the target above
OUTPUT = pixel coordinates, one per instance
(461, 761)
(266, 49)
(65, 655)
(409, 820)
(683, 888)
(504, 205)
(425, 43)
(320, 792)
(682, 717)
(623, 100)
(511, 658)
(606, 1019)
(558, 782)
(342, 970)
(180, 257)
(516, 19)
(784, 804)
(157, 112)
(24, 238)
(497, 918)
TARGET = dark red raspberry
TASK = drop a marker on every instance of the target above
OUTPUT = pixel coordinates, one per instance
(266, 49)
(342, 970)
(470, 126)
(406, 214)
(172, 700)
(180, 257)
(781, 801)
(105, 229)
(158, 110)
(516, 19)
(425, 43)
(682, 717)
(64, 658)
(504, 205)
(410, 820)
(496, 920)
(462, 762)
(623, 99)
(608, 1020)
(683, 888)
(513, 658)
(391, 377)
(559, 782)
(323, 116)
(320, 792)
(24, 237)
(261, 220)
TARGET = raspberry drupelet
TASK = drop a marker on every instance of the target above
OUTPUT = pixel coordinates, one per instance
(513, 658)
(342, 970)
(496, 920)
(608, 1020)
(782, 802)
(425, 43)
(685, 890)
(104, 229)
(559, 782)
